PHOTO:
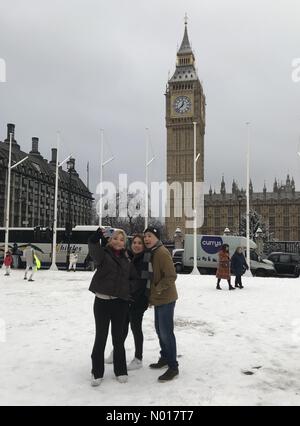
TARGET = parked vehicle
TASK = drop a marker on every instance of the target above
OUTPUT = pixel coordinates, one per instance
(177, 256)
(207, 254)
(286, 263)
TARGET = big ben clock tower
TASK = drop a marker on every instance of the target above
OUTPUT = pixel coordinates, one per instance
(185, 104)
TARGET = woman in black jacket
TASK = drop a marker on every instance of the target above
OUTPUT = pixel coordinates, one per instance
(239, 266)
(139, 302)
(111, 285)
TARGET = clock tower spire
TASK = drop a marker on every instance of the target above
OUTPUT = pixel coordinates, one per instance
(185, 104)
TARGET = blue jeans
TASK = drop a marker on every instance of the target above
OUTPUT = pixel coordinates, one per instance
(164, 326)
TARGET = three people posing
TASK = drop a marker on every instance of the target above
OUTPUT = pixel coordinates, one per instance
(123, 289)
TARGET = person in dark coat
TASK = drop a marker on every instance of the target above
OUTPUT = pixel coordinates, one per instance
(111, 285)
(223, 271)
(139, 303)
(239, 266)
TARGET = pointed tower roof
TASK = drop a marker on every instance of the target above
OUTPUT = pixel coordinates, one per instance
(185, 47)
(185, 64)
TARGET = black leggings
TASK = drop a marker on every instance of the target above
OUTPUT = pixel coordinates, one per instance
(114, 311)
(135, 319)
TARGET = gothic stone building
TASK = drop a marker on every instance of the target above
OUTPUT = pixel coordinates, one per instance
(185, 104)
(280, 209)
(32, 189)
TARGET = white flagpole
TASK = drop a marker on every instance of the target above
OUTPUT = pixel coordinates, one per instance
(101, 174)
(248, 273)
(195, 270)
(147, 183)
(102, 165)
(147, 164)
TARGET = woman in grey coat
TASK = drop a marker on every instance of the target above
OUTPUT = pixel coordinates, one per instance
(30, 263)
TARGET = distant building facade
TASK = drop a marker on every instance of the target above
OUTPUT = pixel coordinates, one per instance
(279, 208)
(33, 186)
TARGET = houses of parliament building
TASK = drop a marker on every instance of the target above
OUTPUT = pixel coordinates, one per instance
(279, 209)
(186, 105)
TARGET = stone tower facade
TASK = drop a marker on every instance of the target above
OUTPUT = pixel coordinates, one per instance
(185, 104)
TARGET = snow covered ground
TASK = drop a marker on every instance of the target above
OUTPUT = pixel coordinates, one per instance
(240, 347)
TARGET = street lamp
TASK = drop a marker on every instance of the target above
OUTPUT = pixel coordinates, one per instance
(178, 239)
(102, 165)
(240, 199)
(259, 241)
(53, 266)
(226, 231)
(70, 167)
(10, 167)
(148, 162)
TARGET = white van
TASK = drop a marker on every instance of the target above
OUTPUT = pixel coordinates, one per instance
(207, 253)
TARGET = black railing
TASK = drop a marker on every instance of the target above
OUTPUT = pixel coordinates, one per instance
(284, 246)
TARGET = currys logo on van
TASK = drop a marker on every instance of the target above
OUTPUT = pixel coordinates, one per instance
(211, 244)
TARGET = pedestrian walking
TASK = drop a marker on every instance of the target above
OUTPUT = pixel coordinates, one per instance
(111, 286)
(16, 256)
(163, 296)
(239, 266)
(223, 271)
(73, 260)
(8, 261)
(30, 262)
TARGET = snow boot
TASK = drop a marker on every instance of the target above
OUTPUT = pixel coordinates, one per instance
(231, 288)
(6, 275)
(241, 286)
(110, 359)
(170, 374)
(135, 364)
(159, 364)
(25, 278)
(122, 379)
(96, 382)
(31, 280)
(218, 287)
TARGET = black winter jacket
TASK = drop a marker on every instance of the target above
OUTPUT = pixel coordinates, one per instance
(238, 264)
(139, 297)
(114, 275)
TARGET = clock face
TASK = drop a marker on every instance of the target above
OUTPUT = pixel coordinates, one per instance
(182, 104)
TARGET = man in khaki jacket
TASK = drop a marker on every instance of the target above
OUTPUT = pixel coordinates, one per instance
(163, 296)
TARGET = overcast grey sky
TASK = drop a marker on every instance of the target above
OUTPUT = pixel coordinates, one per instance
(81, 65)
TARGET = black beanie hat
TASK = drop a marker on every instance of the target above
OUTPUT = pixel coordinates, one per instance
(154, 231)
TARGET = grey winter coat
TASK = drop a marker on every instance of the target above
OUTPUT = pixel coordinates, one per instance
(28, 253)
